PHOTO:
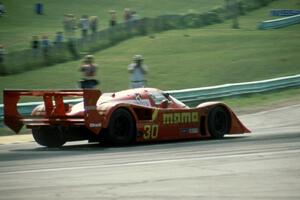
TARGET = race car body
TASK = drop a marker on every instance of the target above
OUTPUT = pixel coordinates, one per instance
(121, 118)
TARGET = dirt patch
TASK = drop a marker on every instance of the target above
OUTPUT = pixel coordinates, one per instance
(14, 139)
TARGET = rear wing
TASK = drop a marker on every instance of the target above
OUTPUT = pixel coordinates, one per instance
(55, 109)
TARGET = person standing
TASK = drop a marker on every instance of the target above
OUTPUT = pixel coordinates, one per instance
(35, 45)
(2, 9)
(127, 18)
(39, 8)
(94, 24)
(45, 44)
(2, 52)
(58, 40)
(69, 24)
(84, 25)
(2, 55)
(113, 18)
(127, 15)
(88, 69)
(138, 71)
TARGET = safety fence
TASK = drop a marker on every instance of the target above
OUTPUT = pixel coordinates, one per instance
(279, 23)
(200, 94)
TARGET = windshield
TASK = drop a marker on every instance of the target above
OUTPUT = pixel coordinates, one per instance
(158, 97)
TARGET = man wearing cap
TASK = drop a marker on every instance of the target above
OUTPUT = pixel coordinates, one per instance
(138, 71)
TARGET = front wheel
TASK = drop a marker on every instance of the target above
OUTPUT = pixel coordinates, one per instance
(48, 136)
(219, 122)
(121, 129)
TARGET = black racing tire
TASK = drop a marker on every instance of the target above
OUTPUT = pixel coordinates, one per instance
(219, 122)
(48, 136)
(121, 128)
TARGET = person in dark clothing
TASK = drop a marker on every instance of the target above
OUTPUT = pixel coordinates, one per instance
(35, 45)
(2, 9)
(113, 18)
(2, 57)
(88, 69)
(2, 52)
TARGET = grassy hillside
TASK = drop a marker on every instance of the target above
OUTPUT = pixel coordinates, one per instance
(20, 22)
(187, 58)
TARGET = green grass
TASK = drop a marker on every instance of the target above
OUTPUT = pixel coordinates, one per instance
(258, 102)
(186, 58)
(20, 22)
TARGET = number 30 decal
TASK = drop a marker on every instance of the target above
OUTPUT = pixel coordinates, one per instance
(151, 132)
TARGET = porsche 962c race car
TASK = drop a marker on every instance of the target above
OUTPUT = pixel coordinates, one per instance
(121, 118)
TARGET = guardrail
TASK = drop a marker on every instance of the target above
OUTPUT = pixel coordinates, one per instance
(201, 94)
(279, 23)
(284, 12)
(236, 89)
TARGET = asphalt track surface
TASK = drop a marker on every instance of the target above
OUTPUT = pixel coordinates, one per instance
(262, 165)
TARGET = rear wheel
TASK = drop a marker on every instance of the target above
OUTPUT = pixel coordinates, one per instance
(48, 136)
(121, 129)
(219, 122)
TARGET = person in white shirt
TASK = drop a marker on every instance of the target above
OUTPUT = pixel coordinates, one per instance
(84, 25)
(138, 71)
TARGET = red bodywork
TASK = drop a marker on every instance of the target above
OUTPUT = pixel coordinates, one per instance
(157, 116)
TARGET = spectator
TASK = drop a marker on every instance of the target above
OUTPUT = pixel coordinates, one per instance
(138, 71)
(134, 19)
(2, 52)
(69, 26)
(84, 25)
(2, 9)
(59, 38)
(113, 18)
(35, 45)
(134, 16)
(127, 15)
(39, 8)
(94, 24)
(45, 44)
(88, 70)
(127, 18)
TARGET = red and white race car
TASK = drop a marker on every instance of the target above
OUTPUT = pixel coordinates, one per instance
(121, 118)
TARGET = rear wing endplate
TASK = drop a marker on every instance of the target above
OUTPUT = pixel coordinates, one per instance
(55, 108)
